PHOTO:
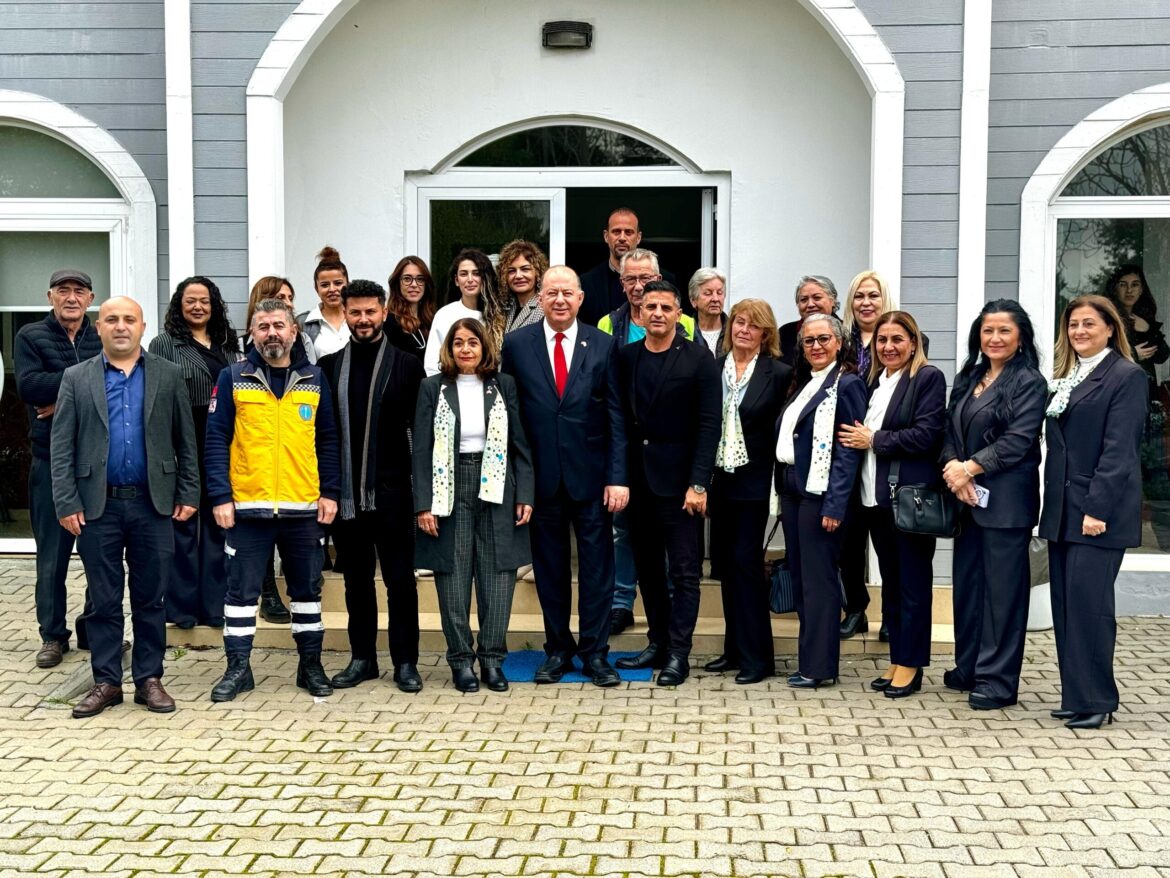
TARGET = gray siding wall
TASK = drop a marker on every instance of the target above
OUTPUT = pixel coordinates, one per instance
(1052, 63)
(227, 39)
(104, 60)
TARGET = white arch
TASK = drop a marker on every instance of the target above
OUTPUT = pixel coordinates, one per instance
(1086, 139)
(139, 276)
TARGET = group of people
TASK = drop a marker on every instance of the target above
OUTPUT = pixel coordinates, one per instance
(471, 439)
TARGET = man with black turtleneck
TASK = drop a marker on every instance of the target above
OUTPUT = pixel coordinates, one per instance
(375, 386)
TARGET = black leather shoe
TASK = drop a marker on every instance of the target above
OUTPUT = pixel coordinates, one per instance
(464, 679)
(674, 672)
(910, 688)
(1089, 721)
(795, 676)
(653, 656)
(980, 701)
(311, 676)
(236, 679)
(407, 677)
(357, 671)
(721, 664)
(802, 682)
(884, 633)
(494, 679)
(1063, 714)
(881, 684)
(600, 672)
(952, 680)
(554, 667)
(619, 620)
(272, 608)
(747, 677)
(854, 623)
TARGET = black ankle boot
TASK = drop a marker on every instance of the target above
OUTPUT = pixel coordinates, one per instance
(272, 608)
(311, 676)
(237, 679)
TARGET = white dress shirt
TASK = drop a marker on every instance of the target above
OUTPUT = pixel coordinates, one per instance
(785, 446)
(879, 404)
(328, 340)
(569, 343)
(445, 317)
(472, 427)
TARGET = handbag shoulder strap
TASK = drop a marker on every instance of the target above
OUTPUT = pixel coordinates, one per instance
(903, 421)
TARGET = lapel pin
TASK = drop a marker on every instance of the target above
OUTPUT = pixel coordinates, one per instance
(584, 344)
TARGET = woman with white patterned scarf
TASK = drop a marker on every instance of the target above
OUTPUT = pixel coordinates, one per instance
(473, 490)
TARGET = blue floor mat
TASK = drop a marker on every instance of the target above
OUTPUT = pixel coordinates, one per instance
(520, 667)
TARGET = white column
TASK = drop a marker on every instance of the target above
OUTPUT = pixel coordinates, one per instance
(265, 186)
(180, 145)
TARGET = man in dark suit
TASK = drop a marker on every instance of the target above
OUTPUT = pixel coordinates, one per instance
(602, 283)
(566, 375)
(125, 463)
(671, 395)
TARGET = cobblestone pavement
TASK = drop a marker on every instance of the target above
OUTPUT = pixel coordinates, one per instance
(706, 779)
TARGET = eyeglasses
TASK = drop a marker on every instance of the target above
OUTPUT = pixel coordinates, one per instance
(629, 280)
(813, 340)
(411, 280)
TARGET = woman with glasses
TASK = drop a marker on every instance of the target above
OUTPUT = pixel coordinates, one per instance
(520, 269)
(471, 293)
(410, 308)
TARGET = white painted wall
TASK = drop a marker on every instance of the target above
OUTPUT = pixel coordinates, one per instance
(759, 90)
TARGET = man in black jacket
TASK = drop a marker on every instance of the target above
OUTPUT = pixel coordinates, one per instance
(375, 388)
(671, 394)
(44, 351)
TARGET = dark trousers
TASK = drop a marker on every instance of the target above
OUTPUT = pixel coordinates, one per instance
(814, 556)
(738, 528)
(54, 545)
(130, 528)
(660, 525)
(385, 536)
(854, 554)
(992, 579)
(248, 547)
(199, 577)
(906, 562)
(1083, 616)
(552, 518)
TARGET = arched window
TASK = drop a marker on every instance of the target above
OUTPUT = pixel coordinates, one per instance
(566, 146)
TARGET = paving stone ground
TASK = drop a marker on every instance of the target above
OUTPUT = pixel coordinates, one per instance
(706, 779)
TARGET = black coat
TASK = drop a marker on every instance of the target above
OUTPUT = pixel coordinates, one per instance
(672, 441)
(1008, 452)
(761, 405)
(915, 441)
(1093, 466)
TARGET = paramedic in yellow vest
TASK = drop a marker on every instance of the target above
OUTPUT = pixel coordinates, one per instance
(273, 479)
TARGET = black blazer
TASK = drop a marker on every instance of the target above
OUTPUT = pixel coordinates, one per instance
(1008, 452)
(915, 442)
(1093, 466)
(758, 411)
(672, 441)
(851, 403)
(578, 440)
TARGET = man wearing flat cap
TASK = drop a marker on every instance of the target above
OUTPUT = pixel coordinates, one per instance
(44, 350)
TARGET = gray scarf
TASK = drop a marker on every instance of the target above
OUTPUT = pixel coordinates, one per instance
(373, 406)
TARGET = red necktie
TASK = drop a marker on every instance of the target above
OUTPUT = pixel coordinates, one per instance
(560, 367)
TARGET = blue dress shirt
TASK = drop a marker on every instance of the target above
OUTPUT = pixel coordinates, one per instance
(126, 406)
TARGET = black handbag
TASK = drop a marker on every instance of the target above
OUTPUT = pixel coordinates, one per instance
(782, 597)
(920, 509)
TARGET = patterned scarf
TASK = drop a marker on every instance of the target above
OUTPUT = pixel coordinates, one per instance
(732, 450)
(494, 468)
(1062, 388)
(824, 426)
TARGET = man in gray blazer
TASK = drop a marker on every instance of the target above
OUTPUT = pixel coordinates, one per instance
(125, 463)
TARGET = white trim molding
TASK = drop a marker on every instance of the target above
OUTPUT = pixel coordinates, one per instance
(139, 274)
(180, 141)
(310, 23)
(973, 135)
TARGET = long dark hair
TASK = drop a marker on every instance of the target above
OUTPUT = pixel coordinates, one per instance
(1145, 307)
(219, 327)
(398, 306)
(491, 302)
(846, 359)
(976, 365)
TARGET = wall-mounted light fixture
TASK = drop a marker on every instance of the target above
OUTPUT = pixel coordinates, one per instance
(567, 35)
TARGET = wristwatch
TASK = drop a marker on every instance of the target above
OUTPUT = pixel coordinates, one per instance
(698, 489)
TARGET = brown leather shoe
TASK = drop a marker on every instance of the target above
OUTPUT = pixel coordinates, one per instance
(51, 652)
(154, 696)
(100, 697)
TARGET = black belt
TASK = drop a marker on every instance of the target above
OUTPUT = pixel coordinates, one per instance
(125, 492)
(471, 456)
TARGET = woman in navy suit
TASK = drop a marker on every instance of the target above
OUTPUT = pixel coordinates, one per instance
(755, 383)
(1092, 498)
(814, 477)
(991, 458)
(904, 425)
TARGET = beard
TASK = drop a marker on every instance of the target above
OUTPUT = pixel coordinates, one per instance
(275, 350)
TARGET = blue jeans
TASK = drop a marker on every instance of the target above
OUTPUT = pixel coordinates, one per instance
(625, 576)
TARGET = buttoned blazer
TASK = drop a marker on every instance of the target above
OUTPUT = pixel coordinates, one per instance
(843, 468)
(1009, 452)
(915, 442)
(1093, 465)
(578, 440)
(672, 438)
(511, 542)
(762, 403)
(80, 443)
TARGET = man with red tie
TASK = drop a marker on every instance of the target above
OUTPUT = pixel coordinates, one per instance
(569, 402)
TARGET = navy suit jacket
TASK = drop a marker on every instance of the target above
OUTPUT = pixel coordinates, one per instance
(916, 441)
(1093, 465)
(579, 440)
(851, 404)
